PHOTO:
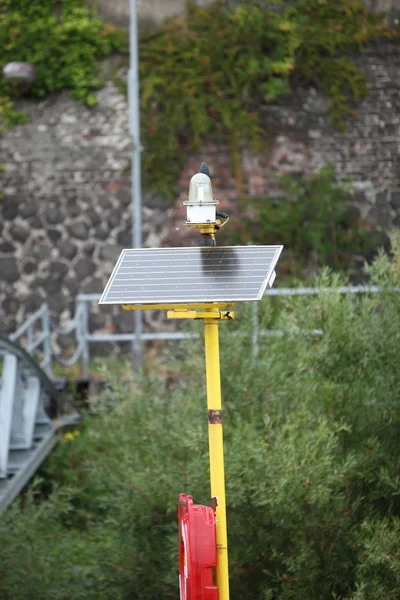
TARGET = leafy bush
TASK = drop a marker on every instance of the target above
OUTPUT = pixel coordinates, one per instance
(313, 217)
(312, 430)
(62, 40)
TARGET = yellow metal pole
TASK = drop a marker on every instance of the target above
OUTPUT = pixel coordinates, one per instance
(216, 449)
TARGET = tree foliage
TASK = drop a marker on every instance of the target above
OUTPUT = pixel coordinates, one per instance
(314, 217)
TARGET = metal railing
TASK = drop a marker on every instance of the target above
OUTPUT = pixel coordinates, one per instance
(36, 342)
(37, 333)
(308, 291)
(85, 338)
(303, 291)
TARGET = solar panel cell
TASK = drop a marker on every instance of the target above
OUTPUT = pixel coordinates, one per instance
(191, 275)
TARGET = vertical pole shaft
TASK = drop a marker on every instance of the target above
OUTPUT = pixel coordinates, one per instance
(134, 127)
(216, 449)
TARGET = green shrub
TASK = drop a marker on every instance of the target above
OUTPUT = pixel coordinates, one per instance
(313, 217)
(58, 562)
(312, 430)
(62, 40)
(378, 572)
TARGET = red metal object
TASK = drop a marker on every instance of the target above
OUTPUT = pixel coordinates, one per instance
(197, 550)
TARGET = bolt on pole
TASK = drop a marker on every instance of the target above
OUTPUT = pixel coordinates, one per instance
(134, 128)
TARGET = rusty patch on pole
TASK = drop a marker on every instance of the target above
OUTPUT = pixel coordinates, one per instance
(214, 417)
(214, 503)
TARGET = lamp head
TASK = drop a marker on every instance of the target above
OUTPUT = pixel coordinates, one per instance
(201, 203)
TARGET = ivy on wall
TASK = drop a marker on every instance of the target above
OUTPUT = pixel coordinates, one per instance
(207, 74)
(211, 72)
(204, 75)
(329, 32)
(63, 40)
(314, 218)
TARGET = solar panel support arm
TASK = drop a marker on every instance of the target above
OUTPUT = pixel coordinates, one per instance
(179, 307)
(209, 315)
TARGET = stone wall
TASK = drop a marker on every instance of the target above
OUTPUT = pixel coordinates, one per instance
(390, 7)
(149, 11)
(65, 177)
(66, 211)
(154, 11)
(300, 141)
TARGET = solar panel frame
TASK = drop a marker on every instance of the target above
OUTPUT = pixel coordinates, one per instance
(202, 254)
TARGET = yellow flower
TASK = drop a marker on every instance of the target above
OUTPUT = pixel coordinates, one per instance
(282, 67)
(285, 26)
(69, 437)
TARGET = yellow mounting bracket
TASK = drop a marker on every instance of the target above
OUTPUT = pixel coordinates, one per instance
(211, 314)
(213, 306)
(206, 227)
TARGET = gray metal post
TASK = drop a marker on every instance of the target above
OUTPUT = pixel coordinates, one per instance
(30, 338)
(47, 342)
(86, 351)
(82, 330)
(134, 127)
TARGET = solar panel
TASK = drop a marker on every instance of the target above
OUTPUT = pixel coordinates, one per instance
(191, 275)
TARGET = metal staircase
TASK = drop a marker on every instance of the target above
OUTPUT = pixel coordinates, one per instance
(29, 402)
